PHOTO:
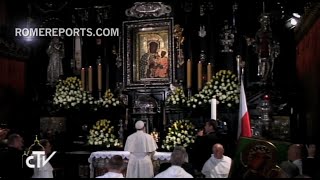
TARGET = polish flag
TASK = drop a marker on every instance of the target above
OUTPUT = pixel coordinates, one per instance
(244, 127)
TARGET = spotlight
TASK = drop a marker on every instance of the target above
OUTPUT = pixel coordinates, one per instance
(293, 22)
(28, 38)
(296, 15)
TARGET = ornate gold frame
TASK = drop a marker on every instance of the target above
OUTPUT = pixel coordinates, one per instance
(137, 61)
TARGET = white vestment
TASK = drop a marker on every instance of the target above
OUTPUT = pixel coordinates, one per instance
(298, 163)
(111, 175)
(217, 168)
(141, 146)
(42, 172)
(174, 172)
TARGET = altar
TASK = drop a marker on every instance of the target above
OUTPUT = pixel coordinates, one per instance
(98, 160)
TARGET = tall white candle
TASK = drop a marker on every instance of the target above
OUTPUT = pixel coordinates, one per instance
(99, 77)
(214, 108)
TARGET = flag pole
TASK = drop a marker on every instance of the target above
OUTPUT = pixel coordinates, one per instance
(244, 127)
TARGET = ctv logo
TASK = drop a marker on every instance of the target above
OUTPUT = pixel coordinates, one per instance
(40, 158)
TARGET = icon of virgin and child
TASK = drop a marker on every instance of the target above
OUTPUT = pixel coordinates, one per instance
(154, 63)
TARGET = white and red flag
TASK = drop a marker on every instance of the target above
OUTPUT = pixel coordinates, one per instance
(244, 127)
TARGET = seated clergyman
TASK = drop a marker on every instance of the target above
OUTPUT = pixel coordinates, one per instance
(178, 157)
(114, 167)
(218, 165)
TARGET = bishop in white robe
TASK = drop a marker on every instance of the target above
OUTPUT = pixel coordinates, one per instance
(142, 147)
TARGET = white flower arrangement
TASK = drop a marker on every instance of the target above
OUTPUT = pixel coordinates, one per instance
(70, 94)
(102, 134)
(108, 100)
(177, 97)
(180, 133)
(223, 85)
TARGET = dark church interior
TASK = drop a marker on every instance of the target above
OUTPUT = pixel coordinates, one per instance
(271, 46)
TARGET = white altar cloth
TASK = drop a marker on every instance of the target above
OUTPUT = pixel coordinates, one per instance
(161, 156)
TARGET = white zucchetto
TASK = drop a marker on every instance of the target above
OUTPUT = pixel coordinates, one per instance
(139, 125)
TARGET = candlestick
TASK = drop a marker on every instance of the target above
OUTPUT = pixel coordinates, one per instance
(164, 121)
(107, 69)
(99, 76)
(189, 72)
(199, 75)
(238, 59)
(189, 93)
(99, 79)
(214, 108)
(83, 78)
(127, 118)
(90, 78)
(209, 72)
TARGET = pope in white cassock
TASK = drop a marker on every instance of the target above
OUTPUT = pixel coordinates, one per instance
(142, 147)
(218, 165)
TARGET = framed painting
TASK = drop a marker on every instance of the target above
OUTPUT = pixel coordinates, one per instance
(148, 53)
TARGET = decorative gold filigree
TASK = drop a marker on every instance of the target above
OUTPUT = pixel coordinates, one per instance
(260, 159)
(178, 35)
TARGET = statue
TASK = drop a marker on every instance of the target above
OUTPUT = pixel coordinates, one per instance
(56, 54)
(266, 48)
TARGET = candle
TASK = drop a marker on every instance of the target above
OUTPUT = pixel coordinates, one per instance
(199, 75)
(209, 72)
(189, 71)
(83, 78)
(90, 78)
(99, 77)
(214, 108)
